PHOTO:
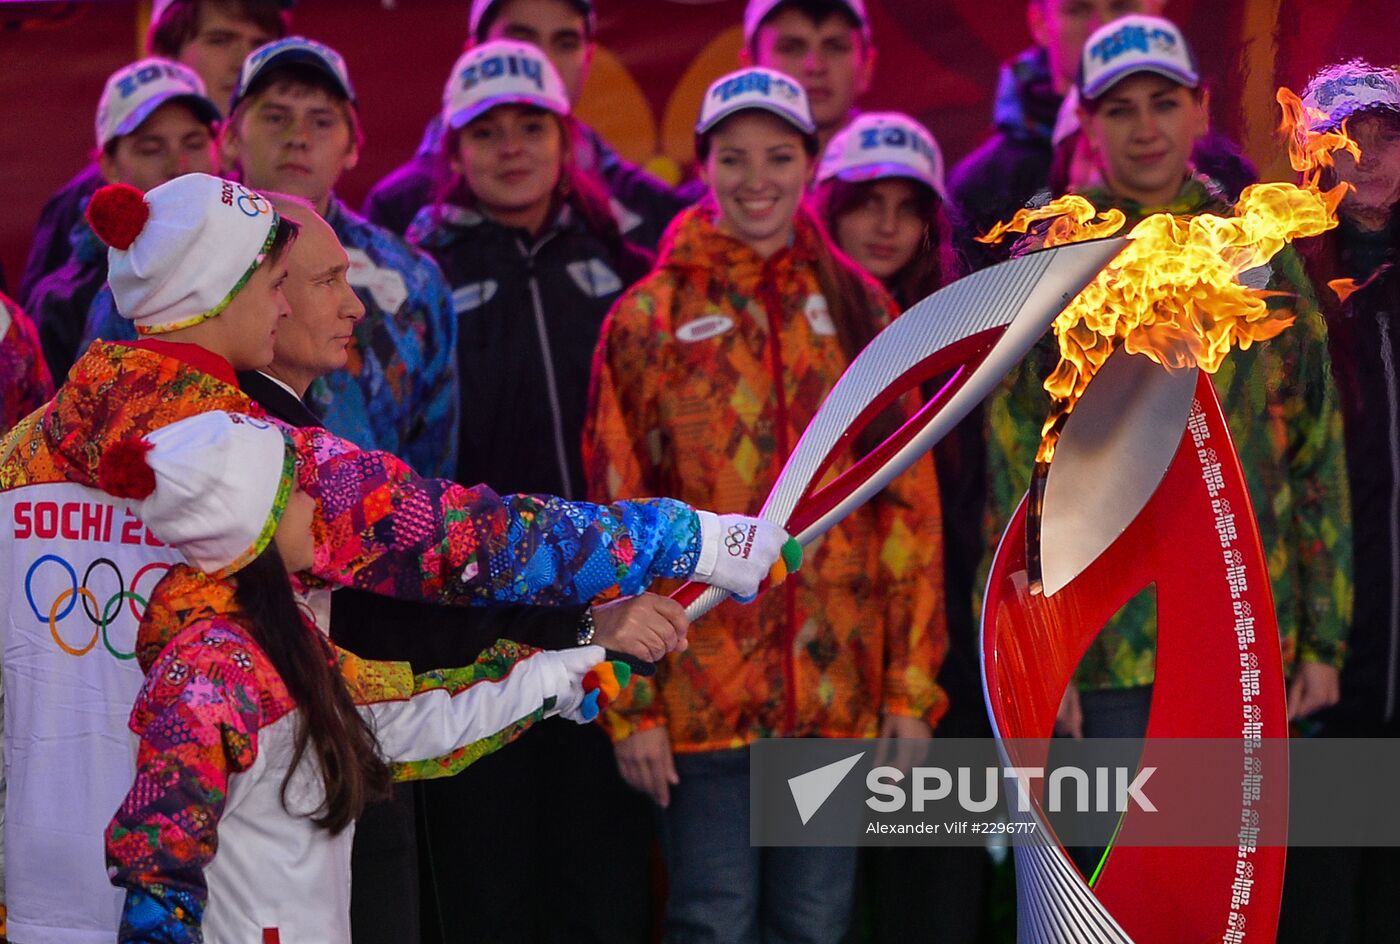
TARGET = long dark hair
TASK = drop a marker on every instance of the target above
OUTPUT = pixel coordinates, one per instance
(934, 263)
(851, 301)
(352, 769)
(577, 188)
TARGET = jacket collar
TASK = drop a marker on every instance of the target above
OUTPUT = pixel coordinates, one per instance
(693, 241)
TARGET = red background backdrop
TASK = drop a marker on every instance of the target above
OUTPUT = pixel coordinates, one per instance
(938, 61)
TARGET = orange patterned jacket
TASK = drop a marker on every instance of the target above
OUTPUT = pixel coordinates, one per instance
(706, 374)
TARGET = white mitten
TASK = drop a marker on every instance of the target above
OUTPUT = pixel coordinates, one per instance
(738, 551)
(566, 669)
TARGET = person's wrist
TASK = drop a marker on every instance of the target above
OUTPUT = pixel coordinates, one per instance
(587, 627)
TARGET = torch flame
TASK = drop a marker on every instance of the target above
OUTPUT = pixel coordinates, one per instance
(1073, 220)
(1344, 288)
(1174, 292)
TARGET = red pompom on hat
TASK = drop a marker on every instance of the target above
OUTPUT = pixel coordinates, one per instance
(124, 472)
(117, 213)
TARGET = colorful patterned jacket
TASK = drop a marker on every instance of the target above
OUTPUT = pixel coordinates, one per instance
(76, 566)
(1281, 405)
(204, 844)
(25, 382)
(708, 371)
(399, 391)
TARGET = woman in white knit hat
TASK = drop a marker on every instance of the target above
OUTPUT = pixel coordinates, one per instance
(197, 265)
(258, 738)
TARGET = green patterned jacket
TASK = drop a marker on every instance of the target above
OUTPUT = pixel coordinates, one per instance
(1281, 405)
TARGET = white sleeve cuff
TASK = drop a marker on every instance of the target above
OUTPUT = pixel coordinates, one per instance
(709, 544)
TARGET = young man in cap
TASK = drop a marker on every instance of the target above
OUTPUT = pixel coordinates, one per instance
(154, 123)
(824, 44)
(211, 37)
(199, 265)
(294, 128)
(565, 31)
(1143, 110)
(1013, 164)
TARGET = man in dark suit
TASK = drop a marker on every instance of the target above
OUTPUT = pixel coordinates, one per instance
(315, 340)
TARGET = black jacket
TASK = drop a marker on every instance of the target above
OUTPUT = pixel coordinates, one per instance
(424, 635)
(529, 312)
(1364, 341)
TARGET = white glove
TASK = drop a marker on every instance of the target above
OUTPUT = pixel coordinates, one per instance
(565, 669)
(737, 551)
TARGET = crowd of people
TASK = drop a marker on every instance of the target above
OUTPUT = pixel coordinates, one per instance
(445, 406)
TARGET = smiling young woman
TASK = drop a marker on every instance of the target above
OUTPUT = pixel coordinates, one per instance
(708, 372)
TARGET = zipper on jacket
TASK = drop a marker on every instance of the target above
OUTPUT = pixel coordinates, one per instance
(1393, 426)
(773, 306)
(551, 383)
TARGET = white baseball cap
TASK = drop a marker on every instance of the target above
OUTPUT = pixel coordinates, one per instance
(1346, 88)
(133, 93)
(179, 254)
(1133, 44)
(884, 144)
(293, 50)
(758, 10)
(213, 486)
(482, 8)
(501, 72)
(756, 88)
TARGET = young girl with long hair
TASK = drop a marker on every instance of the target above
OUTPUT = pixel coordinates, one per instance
(880, 193)
(260, 741)
(708, 371)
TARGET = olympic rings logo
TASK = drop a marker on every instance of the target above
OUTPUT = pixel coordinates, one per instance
(253, 204)
(100, 615)
(738, 539)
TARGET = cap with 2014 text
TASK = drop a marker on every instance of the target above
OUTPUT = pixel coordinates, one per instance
(133, 93)
(756, 89)
(884, 144)
(1131, 45)
(501, 72)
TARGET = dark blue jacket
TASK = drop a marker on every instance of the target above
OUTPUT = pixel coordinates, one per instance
(59, 303)
(60, 214)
